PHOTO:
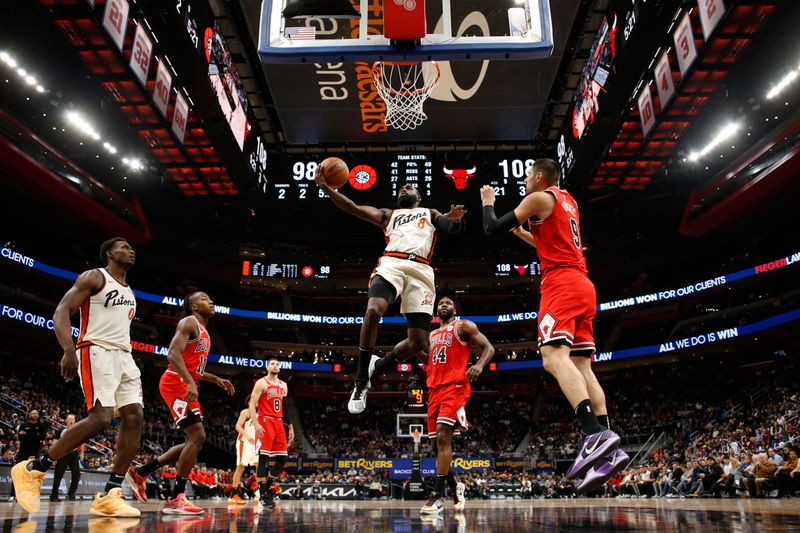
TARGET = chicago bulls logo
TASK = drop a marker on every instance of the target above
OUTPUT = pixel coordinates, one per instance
(460, 176)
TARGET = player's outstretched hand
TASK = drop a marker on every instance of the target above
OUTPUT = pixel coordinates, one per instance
(473, 372)
(456, 213)
(259, 429)
(487, 195)
(227, 385)
(69, 364)
(318, 178)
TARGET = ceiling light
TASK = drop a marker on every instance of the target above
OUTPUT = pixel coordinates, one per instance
(21, 72)
(781, 85)
(724, 134)
(30, 80)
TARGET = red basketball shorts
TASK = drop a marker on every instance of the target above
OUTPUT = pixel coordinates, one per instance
(567, 308)
(273, 441)
(447, 405)
(173, 390)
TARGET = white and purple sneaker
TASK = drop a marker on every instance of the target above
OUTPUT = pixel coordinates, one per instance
(594, 448)
(598, 475)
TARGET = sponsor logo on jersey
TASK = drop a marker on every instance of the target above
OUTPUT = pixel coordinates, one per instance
(427, 298)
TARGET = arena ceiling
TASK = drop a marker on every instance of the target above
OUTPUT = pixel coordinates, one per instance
(613, 161)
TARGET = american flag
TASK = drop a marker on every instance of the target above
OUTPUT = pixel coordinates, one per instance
(301, 32)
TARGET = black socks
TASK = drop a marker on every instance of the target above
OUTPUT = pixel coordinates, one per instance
(383, 364)
(42, 464)
(364, 356)
(148, 468)
(586, 418)
(604, 421)
(440, 485)
(114, 482)
(180, 487)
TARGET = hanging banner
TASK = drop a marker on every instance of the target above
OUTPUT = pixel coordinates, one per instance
(180, 116)
(711, 12)
(646, 113)
(162, 87)
(684, 44)
(115, 20)
(140, 56)
(664, 83)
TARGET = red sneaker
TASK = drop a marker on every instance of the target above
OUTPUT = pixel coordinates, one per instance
(180, 505)
(138, 484)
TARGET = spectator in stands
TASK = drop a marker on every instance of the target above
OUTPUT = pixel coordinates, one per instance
(8, 457)
(783, 475)
(775, 458)
(526, 490)
(727, 481)
(761, 477)
(708, 478)
(31, 434)
(72, 461)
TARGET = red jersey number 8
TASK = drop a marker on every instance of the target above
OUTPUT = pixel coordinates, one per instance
(277, 405)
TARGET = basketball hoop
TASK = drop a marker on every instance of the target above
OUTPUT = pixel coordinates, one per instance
(404, 87)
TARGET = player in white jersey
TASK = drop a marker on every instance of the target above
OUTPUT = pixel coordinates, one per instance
(404, 271)
(108, 375)
(246, 453)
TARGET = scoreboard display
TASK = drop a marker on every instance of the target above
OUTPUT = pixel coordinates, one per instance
(376, 178)
(278, 270)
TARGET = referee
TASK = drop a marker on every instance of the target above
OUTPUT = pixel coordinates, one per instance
(71, 461)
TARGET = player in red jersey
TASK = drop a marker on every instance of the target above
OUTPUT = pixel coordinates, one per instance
(188, 353)
(266, 410)
(448, 393)
(567, 308)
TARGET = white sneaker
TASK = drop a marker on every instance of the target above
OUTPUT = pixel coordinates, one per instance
(434, 505)
(358, 398)
(460, 500)
(374, 359)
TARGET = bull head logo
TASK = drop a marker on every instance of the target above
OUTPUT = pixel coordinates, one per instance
(460, 176)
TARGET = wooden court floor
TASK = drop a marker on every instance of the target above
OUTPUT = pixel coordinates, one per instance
(595, 515)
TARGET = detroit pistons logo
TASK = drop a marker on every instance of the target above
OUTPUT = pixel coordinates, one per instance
(362, 177)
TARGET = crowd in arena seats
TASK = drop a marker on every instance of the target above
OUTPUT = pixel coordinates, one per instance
(726, 427)
(497, 425)
(719, 436)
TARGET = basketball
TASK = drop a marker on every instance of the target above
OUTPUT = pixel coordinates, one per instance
(335, 172)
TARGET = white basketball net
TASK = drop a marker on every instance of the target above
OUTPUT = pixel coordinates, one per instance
(405, 87)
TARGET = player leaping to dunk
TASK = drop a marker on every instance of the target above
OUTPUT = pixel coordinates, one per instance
(404, 270)
(567, 308)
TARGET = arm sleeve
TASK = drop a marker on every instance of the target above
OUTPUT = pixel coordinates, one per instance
(445, 225)
(493, 225)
